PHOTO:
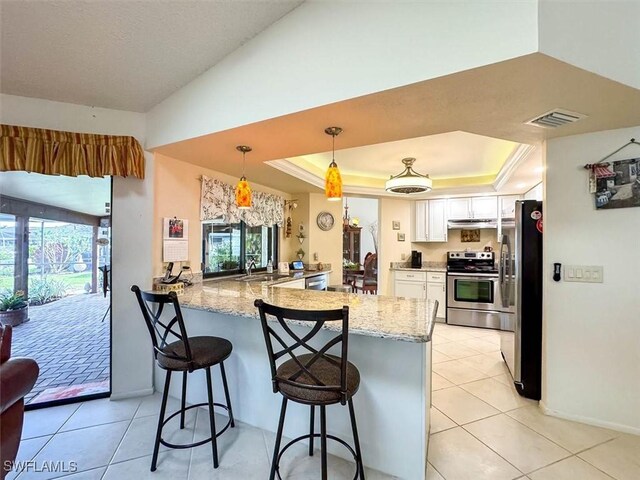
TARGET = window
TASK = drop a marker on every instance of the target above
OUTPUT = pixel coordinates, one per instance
(226, 248)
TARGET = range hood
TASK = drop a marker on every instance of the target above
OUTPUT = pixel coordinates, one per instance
(471, 224)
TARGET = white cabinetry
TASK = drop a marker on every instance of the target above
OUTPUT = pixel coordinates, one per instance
(410, 284)
(424, 285)
(299, 284)
(483, 208)
(430, 221)
(437, 221)
(437, 290)
(419, 230)
(409, 289)
(508, 206)
(459, 209)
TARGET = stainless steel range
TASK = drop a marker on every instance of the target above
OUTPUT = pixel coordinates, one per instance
(474, 296)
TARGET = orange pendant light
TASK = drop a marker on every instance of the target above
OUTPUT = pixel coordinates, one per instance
(243, 190)
(333, 179)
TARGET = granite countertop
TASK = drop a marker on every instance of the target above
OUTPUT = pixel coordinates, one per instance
(293, 275)
(395, 318)
(426, 266)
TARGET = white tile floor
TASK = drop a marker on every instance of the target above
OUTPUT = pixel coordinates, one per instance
(481, 429)
(114, 441)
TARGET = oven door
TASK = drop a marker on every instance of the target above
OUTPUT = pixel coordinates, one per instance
(479, 291)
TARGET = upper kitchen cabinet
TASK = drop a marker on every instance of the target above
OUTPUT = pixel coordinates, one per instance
(430, 221)
(437, 221)
(485, 208)
(459, 209)
(508, 206)
(420, 213)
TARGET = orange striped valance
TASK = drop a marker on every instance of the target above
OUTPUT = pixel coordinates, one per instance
(52, 152)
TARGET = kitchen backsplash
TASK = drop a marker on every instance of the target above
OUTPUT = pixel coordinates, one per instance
(428, 264)
(437, 252)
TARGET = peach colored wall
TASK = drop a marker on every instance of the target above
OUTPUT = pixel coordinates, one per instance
(437, 252)
(328, 245)
(390, 249)
(177, 193)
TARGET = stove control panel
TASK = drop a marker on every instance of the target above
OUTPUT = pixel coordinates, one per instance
(471, 255)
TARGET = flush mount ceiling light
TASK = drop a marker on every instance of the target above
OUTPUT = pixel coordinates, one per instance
(333, 179)
(409, 181)
(243, 190)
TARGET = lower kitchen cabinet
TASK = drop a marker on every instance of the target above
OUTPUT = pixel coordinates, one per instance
(299, 284)
(410, 289)
(438, 291)
(421, 284)
(410, 284)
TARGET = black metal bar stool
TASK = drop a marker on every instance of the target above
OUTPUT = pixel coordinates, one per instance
(183, 355)
(316, 378)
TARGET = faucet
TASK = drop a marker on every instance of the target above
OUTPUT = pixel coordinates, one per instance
(251, 264)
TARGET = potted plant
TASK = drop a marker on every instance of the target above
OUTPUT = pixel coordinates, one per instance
(14, 308)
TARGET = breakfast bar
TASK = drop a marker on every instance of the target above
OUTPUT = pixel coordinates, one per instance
(389, 342)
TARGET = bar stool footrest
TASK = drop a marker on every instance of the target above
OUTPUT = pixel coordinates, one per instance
(200, 442)
(318, 435)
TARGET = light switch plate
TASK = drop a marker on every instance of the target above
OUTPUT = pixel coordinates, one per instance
(584, 273)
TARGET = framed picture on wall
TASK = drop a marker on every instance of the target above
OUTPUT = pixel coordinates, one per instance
(618, 184)
(395, 225)
(175, 229)
(401, 237)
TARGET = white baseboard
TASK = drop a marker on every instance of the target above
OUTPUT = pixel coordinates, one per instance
(589, 421)
(135, 393)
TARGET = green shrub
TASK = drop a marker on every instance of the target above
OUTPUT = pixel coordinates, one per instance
(44, 290)
(12, 301)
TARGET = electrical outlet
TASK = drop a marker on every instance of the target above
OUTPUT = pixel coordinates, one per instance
(584, 273)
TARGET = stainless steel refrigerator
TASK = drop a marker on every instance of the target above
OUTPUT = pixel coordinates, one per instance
(520, 277)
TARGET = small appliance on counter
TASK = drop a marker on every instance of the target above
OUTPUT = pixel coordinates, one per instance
(416, 259)
(297, 265)
(283, 267)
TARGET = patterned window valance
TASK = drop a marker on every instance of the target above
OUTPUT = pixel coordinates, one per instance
(52, 152)
(218, 199)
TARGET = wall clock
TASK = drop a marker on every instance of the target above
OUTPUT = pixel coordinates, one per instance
(325, 221)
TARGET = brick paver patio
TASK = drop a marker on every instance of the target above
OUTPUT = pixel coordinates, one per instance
(68, 340)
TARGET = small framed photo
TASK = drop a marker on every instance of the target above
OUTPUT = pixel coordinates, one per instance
(395, 225)
(175, 229)
(401, 237)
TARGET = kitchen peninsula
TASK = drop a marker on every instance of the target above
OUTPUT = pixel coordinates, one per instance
(389, 342)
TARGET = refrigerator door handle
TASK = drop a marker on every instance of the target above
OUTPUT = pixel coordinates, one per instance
(501, 264)
(509, 275)
(503, 271)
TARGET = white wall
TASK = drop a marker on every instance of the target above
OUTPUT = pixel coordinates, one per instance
(131, 227)
(591, 331)
(599, 36)
(324, 52)
(536, 193)
(366, 211)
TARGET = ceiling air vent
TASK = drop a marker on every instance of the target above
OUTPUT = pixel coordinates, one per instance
(556, 118)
